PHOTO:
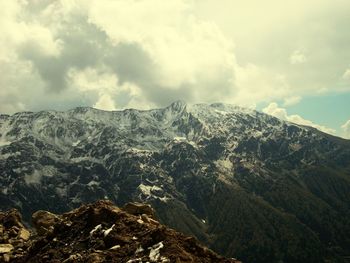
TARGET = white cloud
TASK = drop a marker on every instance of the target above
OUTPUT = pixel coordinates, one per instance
(346, 129)
(281, 113)
(105, 102)
(90, 79)
(346, 74)
(145, 53)
(256, 84)
(289, 101)
(297, 57)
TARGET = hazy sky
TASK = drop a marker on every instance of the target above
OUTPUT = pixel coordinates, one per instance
(288, 58)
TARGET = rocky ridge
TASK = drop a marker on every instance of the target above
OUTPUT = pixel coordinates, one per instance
(99, 232)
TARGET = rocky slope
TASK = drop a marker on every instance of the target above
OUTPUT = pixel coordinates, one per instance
(99, 232)
(245, 183)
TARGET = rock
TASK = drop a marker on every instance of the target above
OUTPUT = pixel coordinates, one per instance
(6, 258)
(104, 211)
(44, 221)
(139, 209)
(12, 218)
(147, 219)
(95, 258)
(101, 232)
(13, 236)
(5, 248)
(73, 258)
(24, 234)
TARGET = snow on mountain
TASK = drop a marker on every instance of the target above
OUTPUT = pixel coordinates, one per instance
(202, 166)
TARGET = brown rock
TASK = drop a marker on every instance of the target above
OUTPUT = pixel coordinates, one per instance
(44, 221)
(5, 248)
(95, 258)
(101, 232)
(139, 209)
(24, 234)
(6, 258)
(149, 220)
(12, 218)
(73, 258)
(104, 211)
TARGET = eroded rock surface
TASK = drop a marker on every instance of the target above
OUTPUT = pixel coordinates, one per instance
(14, 237)
(102, 232)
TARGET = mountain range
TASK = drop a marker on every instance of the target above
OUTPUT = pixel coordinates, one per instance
(245, 183)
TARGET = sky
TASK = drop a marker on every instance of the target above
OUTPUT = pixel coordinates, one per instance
(290, 59)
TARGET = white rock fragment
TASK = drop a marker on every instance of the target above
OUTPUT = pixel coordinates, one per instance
(140, 221)
(98, 227)
(139, 250)
(154, 254)
(115, 247)
(106, 232)
(136, 260)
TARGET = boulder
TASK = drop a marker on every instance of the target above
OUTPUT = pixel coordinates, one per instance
(43, 221)
(24, 234)
(139, 209)
(5, 248)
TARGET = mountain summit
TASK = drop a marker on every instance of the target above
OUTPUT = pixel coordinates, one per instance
(245, 183)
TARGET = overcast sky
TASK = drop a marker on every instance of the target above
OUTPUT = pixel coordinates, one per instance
(287, 58)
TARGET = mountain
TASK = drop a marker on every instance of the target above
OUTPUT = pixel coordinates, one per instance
(245, 183)
(99, 232)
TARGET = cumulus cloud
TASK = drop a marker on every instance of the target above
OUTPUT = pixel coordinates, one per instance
(145, 53)
(346, 129)
(117, 54)
(346, 74)
(297, 57)
(281, 113)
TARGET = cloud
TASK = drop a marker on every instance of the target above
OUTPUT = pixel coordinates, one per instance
(346, 74)
(297, 57)
(289, 101)
(281, 113)
(346, 129)
(160, 48)
(148, 53)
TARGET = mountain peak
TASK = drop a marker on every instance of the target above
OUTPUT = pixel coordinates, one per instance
(178, 105)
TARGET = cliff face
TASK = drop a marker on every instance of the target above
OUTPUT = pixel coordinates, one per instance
(99, 232)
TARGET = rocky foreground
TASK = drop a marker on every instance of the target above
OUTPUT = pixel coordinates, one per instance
(99, 232)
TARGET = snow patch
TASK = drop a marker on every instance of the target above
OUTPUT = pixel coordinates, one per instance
(75, 144)
(224, 164)
(147, 190)
(180, 139)
(3, 142)
(93, 182)
(36, 176)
